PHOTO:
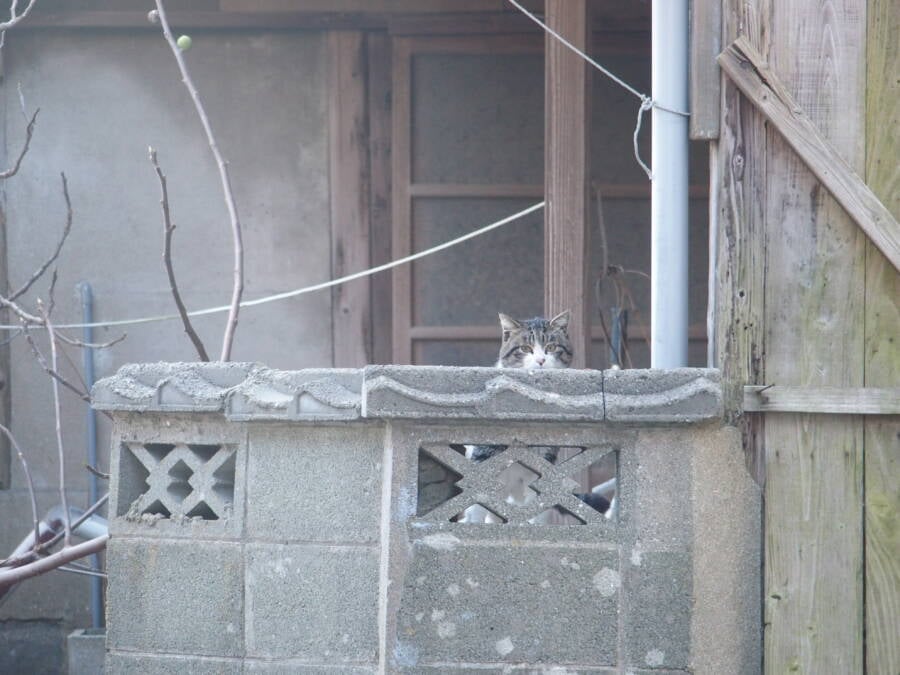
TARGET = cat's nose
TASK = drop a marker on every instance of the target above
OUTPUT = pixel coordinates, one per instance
(540, 360)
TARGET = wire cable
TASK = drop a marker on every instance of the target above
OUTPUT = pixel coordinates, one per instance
(307, 289)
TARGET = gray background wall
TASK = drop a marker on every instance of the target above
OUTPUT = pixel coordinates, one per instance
(105, 97)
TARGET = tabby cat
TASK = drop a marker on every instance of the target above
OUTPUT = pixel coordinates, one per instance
(531, 344)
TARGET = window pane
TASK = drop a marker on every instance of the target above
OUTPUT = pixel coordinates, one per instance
(501, 271)
(456, 352)
(478, 118)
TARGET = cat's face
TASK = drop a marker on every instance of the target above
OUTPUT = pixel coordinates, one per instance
(535, 343)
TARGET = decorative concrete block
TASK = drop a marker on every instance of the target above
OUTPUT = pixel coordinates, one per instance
(318, 602)
(179, 596)
(468, 602)
(323, 484)
(439, 392)
(312, 395)
(86, 651)
(677, 396)
(170, 386)
(123, 663)
(177, 475)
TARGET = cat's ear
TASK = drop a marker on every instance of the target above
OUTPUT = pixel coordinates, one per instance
(561, 321)
(507, 325)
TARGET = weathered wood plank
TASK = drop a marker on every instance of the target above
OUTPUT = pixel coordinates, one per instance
(814, 337)
(401, 207)
(835, 400)
(379, 94)
(746, 67)
(706, 43)
(738, 298)
(349, 188)
(882, 355)
(567, 172)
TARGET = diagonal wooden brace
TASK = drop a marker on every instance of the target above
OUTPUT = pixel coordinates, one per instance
(749, 72)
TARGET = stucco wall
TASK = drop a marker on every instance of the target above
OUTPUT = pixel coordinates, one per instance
(104, 97)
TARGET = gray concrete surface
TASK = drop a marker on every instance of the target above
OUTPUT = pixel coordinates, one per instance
(86, 651)
(326, 566)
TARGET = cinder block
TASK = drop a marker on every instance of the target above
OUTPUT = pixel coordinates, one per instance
(657, 611)
(315, 602)
(309, 395)
(123, 663)
(86, 651)
(439, 392)
(315, 483)
(681, 395)
(473, 603)
(175, 596)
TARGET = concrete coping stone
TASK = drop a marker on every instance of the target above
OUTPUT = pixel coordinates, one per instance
(251, 391)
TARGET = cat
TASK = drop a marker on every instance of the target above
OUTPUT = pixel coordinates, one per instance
(531, 344)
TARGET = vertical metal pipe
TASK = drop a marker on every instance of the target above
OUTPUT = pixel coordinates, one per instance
(87, 315)
(669, 194)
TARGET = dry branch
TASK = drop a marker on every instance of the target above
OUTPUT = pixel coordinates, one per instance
(39, 272)
(42, 361)
(58, 417)
(238, 284)
(28, 480)
(64, 556)
(169, 229)
(29, 131)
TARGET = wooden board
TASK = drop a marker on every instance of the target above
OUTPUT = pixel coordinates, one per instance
(814, 299)
(567, 172)
(706, 43)
(349, 189)
(882, 348)
(738, 295)
(833, 400)
(379, 96)
(746, 67)
(401, 243)
(373, 6)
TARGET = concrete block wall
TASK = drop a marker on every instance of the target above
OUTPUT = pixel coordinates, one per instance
(268, 521)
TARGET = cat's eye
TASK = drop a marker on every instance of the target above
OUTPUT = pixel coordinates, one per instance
(526, 349)
(551, 347)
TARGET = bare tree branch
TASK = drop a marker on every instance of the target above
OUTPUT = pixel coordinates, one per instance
(12, 576)
(87, 572)
(238, 283)
(58, 415)
(39, 272)
(16, 18)
(29, 131)
(41, 359)
(62, 337)
(169, 229)
(46, 546)
(28, 480)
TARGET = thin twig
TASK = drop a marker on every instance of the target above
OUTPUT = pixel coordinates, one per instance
(41, 359)
(86, 572)
(97, 472)
(29, 131)
(16, 18)
(62, 337)
(96, 506)
(238, 284)
(38, 273)
(28, 480)
(58, 414)
(169, 229)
